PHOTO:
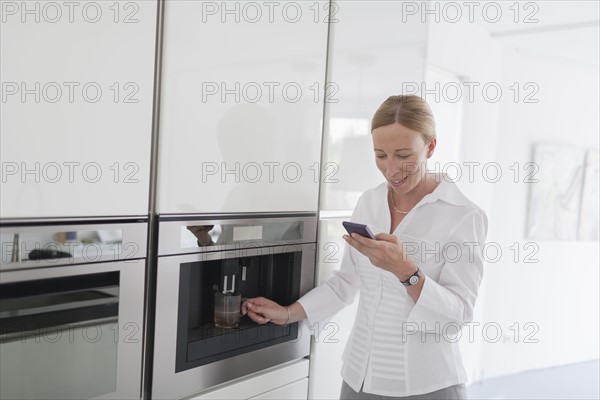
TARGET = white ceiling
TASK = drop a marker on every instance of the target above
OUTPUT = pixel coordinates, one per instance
(568, 30)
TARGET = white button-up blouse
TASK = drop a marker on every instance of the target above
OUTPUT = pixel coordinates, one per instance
(398, 347)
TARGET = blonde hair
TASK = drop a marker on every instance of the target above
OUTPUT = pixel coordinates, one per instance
(409, 111)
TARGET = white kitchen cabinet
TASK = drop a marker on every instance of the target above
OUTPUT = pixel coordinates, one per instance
(293, 391)
(241, 106)
(289, 381)
(385, 57)
(77, 85)
(330, 337)
(367, 65)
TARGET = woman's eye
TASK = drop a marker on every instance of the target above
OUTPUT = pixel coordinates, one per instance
(380, 156)
(401, 156)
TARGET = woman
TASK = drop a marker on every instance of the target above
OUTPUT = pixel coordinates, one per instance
(418, 280)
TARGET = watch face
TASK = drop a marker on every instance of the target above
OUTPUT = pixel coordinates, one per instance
(413, 280)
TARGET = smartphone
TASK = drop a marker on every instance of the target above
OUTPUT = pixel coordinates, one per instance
(361, 229)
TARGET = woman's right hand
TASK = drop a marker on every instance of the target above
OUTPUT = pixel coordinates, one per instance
(262, 311)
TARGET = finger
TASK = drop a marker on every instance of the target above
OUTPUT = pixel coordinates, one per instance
(352, 242)
(260, 301)
(387, 237)
(365, 250)
(260, 309)
(255, 317)
(259, 319)
(364, 240)
(252, 300)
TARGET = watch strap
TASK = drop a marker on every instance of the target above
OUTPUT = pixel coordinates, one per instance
(407, 282)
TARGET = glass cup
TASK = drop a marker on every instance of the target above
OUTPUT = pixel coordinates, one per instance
(227, 310)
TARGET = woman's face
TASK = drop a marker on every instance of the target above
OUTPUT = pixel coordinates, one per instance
(401, 155)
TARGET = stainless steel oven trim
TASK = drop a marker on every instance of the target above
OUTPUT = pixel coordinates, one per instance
(37, 309)
(242, 215)
(72, 220)
(169, 234)
(133, 244)
(165, 382)
(131, 307)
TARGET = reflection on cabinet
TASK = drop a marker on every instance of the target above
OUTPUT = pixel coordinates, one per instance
(385, 57)
(285, 382)
(241, 106)
(77, 84)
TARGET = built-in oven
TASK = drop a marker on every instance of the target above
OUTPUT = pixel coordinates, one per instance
(206, 263)
(71, 308)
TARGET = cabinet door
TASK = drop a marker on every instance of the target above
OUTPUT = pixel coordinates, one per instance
(293, 391)
(241, 106)
(385, 57)
(77, 87)
(330, 337)
(283, 382)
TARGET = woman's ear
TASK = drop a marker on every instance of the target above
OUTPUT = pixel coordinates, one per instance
(431, 147)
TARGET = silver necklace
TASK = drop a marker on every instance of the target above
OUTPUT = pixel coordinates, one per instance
(394, 204)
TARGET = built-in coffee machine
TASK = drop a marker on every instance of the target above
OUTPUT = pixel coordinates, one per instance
(207, 266)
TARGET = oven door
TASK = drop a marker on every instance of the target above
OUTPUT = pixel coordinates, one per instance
(188, 356)
(72, 332)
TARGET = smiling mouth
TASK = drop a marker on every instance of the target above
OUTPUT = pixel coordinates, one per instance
(399, 181)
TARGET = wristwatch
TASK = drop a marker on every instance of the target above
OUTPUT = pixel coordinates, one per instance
(413, 280)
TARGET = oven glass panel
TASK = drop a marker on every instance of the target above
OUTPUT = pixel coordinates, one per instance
(58, 337)
(199, 341)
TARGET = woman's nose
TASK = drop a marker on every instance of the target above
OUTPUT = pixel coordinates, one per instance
(403, 167)
(393, 166)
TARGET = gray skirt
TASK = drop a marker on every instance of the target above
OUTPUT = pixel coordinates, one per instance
(456, 392)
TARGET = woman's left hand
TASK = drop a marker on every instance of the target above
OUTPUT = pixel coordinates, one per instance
(385, 252)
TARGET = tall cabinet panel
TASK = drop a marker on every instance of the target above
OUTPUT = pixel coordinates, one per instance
(77, 84)
(330, 337)
(385, 57)
(241, 106)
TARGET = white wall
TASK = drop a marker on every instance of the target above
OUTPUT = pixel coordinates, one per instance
(560, 292)
(563, 312)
